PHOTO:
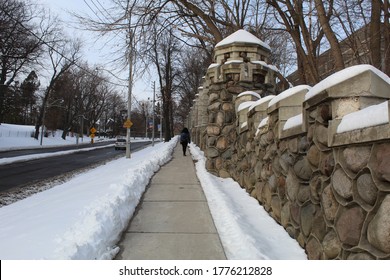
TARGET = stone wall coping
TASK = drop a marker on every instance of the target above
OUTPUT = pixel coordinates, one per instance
(234, 61)
(289, 92)
(261, 104)
(358, 136)
(244, 106)
(263, 122)
(213, 65)
(344, 76)
(263, 126)
(292, 97)
(293, 122)
(370, 116)
(292, 127)
(255, 94)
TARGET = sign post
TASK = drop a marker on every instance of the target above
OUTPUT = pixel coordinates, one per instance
(92, 135)
(127, 124)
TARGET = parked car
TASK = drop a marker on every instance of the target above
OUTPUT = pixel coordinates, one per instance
(120, 144)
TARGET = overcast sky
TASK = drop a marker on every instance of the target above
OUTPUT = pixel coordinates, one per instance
(96, 52)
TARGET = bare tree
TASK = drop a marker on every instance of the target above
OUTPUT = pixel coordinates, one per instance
(164, 57)
(29, 88)
(62, 57)
(21, 41)
(193, 65)
(324, 19)
(386, 35)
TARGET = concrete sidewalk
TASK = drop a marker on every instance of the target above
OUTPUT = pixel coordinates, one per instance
(173, 221)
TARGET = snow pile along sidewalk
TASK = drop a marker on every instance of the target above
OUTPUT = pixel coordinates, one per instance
(84, 217)
(245, 228)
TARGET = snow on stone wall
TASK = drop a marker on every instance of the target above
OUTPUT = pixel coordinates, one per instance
(318, 161)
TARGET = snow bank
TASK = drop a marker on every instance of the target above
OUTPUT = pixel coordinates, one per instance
(246, 229)
(84, 217)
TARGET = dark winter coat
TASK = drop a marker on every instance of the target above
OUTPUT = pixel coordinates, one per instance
(185, 136)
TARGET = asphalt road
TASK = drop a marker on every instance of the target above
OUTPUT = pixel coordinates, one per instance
(17, 175)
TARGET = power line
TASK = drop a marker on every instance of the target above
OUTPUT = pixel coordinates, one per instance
(72, 61)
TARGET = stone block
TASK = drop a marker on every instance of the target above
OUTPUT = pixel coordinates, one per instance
(331, 245)
(356, 157)
(349, 225)
(381, 162)
(302, 169)
(307, 218)
(366, 188)
(213, 130)
(378, 232)
(342, 184)
(329, 203)
(314, 249)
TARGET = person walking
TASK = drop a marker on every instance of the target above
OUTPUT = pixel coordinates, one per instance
(185, 139)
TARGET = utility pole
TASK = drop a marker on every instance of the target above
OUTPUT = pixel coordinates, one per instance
(161, 116)
(154, 99)
(130, 50)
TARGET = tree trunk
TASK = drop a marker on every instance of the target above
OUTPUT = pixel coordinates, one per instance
(386, 35)
(375, 34)
(334, 43)
(41, 115)
(3, 90)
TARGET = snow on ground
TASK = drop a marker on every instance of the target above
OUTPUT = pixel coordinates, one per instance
(83, 217)
(19, 136)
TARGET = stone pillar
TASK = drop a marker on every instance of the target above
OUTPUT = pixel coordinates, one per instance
(240, 65)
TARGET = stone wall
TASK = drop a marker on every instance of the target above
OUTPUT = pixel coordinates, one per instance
(328, 187)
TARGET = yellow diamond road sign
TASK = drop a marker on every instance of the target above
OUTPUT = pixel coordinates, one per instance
(127, 123)
(93, 130)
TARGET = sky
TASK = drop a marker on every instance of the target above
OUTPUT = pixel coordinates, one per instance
(97, 51)
(84, 217)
